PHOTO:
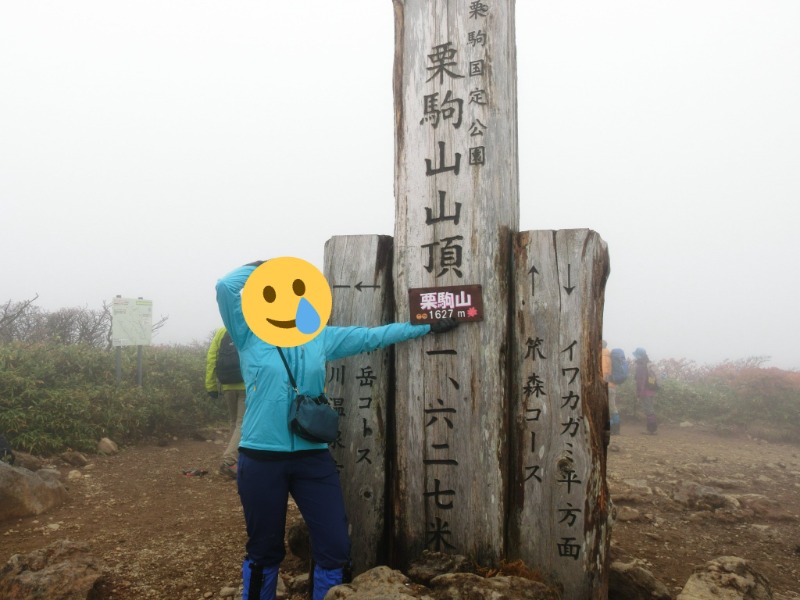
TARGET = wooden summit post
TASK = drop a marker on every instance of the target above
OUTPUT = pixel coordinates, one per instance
(558, 516)
(456, 197)
(359, 271)
(490, 440)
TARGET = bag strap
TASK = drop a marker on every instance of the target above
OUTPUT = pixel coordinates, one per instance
(288, 370)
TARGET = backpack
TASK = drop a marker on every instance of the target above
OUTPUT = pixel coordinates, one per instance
(619, 366)
(228, 369)
(652, 378)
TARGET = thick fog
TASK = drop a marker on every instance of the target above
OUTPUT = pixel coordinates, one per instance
(148, 147)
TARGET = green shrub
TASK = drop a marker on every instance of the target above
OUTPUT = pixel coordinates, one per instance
(55, 396)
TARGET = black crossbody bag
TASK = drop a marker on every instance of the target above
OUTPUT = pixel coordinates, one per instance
(313, 419)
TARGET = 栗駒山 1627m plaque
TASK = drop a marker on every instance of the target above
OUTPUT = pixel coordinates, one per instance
(459, 302)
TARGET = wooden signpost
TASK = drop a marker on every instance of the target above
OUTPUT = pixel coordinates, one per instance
(559, 500)
(456, 208)
(360, 387)
(488, 440)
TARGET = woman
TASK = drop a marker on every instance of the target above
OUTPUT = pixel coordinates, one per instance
(645, 390)
(273, 461)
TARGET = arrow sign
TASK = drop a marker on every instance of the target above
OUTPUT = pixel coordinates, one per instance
(569, 287)
(533, 272)
(359, 286)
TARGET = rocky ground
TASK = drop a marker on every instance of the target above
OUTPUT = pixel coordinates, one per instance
(688, 494)
(163, 529)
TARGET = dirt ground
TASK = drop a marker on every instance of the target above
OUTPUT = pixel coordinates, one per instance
(671, 538)
(163, 534)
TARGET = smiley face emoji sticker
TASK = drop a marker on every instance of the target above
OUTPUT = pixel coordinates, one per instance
(286, 301)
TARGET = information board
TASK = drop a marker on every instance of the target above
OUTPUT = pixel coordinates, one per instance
(131, 322)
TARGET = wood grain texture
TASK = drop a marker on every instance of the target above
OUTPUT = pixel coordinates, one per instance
(559, 500)
(453, 228)
(359, 271)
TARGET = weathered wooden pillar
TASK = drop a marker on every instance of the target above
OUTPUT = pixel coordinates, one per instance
(559, 501)
(456, 194)
(359, 269)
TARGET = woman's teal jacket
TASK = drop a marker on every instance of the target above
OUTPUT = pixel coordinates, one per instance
(268, 392)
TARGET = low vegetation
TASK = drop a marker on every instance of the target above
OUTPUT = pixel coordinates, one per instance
(732, 397)
(54, 397)
(59, 387)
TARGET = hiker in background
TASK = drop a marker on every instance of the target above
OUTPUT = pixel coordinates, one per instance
(615, 372)
(223, 371)
(646, 386)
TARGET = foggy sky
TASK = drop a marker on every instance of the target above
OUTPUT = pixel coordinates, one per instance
(146, 148)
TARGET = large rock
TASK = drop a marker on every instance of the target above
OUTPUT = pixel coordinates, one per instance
(383, 583)
(299, 541)
(455, 586)
(76, 459)
(29, 461)
(107, 447)
(628, 513)
(24, 493)
(701, 497)
(432, 564)
(380, 583)
(726, 578)
(765, 507)
(63, 571)
(629, 581)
